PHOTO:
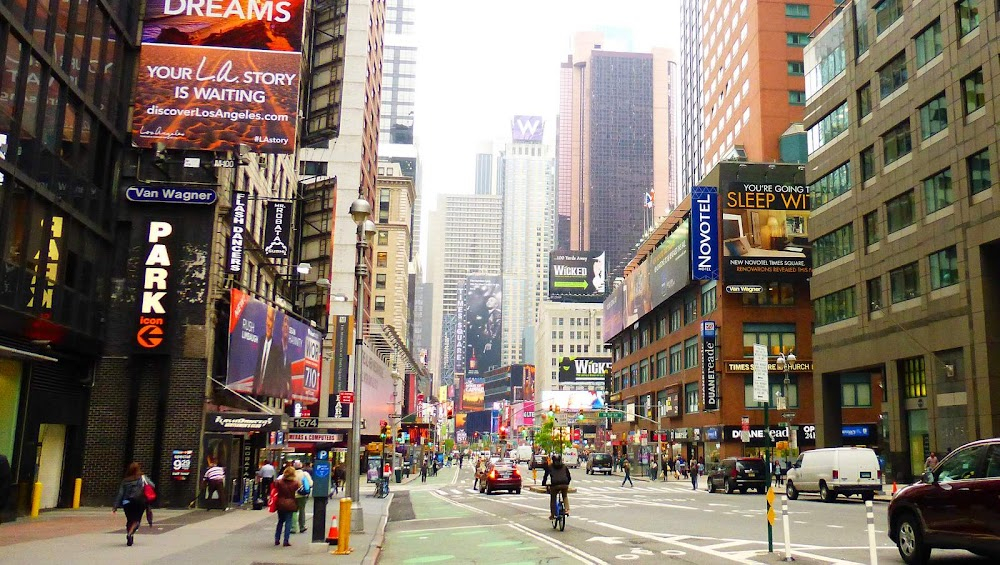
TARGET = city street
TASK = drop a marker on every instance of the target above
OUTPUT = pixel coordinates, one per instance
(445, 520)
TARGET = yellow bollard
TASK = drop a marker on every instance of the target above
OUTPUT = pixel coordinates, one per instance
(77, 487)
(344, 526)
(36, 500)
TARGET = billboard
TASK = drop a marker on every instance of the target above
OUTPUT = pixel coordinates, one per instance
(375, 401)
(765, 235)
(473, 394)
(215, 75)
(578, 274)
(277, 229)
(668, 266)
(271, 353)
(527, 129)
(705, 235)
(583, 370)
(571, 400)
(612, 321)
(483, 323)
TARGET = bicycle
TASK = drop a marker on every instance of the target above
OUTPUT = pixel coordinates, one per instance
(381, 488)
(559, 518)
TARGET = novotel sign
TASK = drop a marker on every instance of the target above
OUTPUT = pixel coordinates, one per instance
(704, 233)
(170, 194)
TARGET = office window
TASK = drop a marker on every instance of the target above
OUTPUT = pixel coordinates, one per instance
(872, 234)
(893, 75)
(675, 320)
(834, 245)
(928, 43)
(675, 358)
(865, 100)
(690, 309)
(797, 97)
(913, 377)
(383, 237)
(661, 364)
(972, 91)
(380, 280)
(829, 127)
(383, 205)
(896, 143)
(662, 326)
(874, 294)
(856, 390)
(379, 303)
(968, 16)
(937, 191)
(381, 259)
(933, 116)
(904, 283)
(797, 39)
(796, 68)
(979, 171)
(944, 267)
(776, 388)
(691, 352)
(643, 371)
(774, 294)
(867, 163)
(797, 10)
(692, 394)
(778, 338)
(886, 13)
(835, 307)
(861, 39)
(831, 185)
(899, 211)
(708, 300)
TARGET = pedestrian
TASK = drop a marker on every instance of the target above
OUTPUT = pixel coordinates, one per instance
(653, 469)
(694, 476)
(461, 459)
(627, 468)
(215, 482)
(423, 472)
(285, 505)
(5, 484)
(131, 498)
(266, 473)
(931, 461)
(301, 496)
(776, 470)
(338, 477)
(434, 468)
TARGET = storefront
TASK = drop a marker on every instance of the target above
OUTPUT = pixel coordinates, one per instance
(240, 442)
(752, 443)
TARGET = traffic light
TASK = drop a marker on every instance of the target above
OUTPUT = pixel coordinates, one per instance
(503, 432)
(579, 416)
(385, 430)
(451, 412)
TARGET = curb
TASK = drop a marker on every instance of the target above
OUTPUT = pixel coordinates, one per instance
(379, 539)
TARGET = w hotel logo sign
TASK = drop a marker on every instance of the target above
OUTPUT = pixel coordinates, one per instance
(527, 128)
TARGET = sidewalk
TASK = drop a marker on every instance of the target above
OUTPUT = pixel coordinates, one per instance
(239, 536)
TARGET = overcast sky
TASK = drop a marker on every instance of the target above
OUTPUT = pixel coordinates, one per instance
(482, 62)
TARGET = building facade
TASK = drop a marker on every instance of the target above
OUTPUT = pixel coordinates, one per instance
(901, 118)
(390, 304)
(567, 331)
(691, 169)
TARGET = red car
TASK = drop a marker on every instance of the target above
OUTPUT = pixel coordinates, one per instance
(954, 506)
(501, 476)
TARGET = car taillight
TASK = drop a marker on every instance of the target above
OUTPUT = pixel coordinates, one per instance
(879, 475)
(493, 474)
(836, 474)
(516, 474)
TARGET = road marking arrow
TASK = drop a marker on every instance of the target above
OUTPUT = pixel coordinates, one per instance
(607, 540)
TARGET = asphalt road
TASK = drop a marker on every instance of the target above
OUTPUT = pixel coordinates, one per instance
(444, 520)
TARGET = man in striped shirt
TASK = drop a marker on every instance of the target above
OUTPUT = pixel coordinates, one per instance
(215, 477)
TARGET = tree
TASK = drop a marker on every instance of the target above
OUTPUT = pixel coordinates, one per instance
(545, 439)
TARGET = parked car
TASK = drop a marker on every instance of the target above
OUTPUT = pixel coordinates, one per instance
(599, 463)
(539, 461)
(833, 471)
(738, 473)
(501, 476)
(954, 506)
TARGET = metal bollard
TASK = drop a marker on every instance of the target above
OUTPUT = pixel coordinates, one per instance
(36, 500)
(77, 487)
(785, 528)
(870, 514)
(344, 528)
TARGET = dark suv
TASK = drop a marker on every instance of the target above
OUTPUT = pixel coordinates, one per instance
(956, 505)
(738, 473)
(599, 463)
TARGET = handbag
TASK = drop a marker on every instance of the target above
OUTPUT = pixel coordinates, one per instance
(272, 499)
(148, 490)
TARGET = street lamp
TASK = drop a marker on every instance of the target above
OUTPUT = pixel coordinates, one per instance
(360, 211)
(783, 363)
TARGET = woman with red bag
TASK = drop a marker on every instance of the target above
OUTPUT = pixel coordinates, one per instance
(283, 502)
(132, 497)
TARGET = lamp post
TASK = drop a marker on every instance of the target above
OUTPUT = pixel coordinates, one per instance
(360, 211)
(783, 363)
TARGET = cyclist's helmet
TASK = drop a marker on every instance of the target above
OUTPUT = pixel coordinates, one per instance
(557, 459)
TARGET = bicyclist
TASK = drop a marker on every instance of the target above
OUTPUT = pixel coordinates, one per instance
(559, 484)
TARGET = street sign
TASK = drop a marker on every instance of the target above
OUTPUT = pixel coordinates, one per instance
(395, 416)
(346, 397)
(612, 415)
(760, 393)
(315, 438)
(307, 423)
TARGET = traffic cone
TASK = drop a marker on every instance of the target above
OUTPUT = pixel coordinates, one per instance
(333, 534)
(894, 488)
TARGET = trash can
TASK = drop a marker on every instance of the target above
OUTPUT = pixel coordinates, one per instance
(399, 475)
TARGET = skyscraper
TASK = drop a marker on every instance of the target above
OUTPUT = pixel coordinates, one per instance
(466, 236)
(484, 173)
(609, 106)
(691, 169)
(529, 179)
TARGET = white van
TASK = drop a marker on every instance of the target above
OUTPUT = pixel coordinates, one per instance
(524, 454)
(571, 458)
(833, 471)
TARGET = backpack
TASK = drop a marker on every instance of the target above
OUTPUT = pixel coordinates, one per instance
(306, 487)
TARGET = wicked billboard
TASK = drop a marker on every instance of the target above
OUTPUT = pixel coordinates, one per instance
(271, 353)
(577, 274)
(584, 370)
(215, 75)
(765, 233)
